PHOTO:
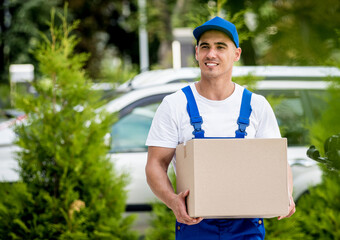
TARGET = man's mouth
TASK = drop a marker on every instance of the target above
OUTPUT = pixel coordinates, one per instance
(211, 64)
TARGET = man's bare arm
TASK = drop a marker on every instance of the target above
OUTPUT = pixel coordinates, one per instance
(156, 169)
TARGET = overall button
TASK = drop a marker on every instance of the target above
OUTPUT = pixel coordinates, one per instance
(260, 221)
(178, 228)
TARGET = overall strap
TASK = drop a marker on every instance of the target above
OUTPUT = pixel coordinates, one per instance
(195, 118)
(245, 111)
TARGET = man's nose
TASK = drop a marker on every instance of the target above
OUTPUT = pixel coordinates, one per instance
(211, 53)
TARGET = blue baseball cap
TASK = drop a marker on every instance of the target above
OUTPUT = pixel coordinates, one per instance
(219, 24)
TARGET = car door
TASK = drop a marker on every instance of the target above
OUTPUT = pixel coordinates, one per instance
(128, 151)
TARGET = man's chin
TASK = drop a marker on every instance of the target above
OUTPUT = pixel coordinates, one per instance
(210, 75)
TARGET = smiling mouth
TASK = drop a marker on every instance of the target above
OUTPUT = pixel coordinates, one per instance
(211, 64)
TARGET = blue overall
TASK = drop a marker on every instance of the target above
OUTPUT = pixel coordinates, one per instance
(220, 229)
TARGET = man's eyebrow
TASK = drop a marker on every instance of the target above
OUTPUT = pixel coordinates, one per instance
(216, 43)
(204, 44)
(221, 43)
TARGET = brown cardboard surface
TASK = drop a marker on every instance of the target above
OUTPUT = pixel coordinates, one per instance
(231, 178)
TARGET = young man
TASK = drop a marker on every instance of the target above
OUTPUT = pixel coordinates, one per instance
(218, 101)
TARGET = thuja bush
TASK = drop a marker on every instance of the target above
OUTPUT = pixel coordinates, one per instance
(285, 229)
(320, 210)
(68, 188)
(317, 215)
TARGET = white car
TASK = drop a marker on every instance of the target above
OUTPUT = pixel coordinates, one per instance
(296, 88)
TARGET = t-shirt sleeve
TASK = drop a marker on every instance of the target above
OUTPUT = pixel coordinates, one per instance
(268, 126)
(164, 129)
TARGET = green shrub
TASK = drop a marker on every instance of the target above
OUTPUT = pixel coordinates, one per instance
(285, 229)
(68, 188)
(319, 211)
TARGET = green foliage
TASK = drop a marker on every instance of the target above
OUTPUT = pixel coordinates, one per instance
(21, 22)
(4, 96)
(117, 73)
(331, 160)
(329, 123)
(248, 81)
(201, 13)
(319, 212)
(106, 25)
(317, 215)
(275, 102)
(282, 26)
(68, 188)
(285, 229)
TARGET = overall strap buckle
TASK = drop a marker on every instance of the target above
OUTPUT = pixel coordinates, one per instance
(245, 111)
(242, 125)
(196, 122)
(195, 119)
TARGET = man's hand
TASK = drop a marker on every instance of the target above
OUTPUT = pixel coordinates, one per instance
(291, 208)
(179, 209)
(156, 168)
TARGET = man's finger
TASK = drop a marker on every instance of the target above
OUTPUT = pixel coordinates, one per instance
(186, 193)
(195, 221)
(292, 211)
(199, 219)
(187, 219)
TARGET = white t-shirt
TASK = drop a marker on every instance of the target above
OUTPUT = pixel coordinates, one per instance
(171, 123)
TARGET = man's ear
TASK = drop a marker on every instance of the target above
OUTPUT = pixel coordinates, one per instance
(196, 48)
(238, 52)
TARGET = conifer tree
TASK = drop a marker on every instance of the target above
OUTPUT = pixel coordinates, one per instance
(68, 188)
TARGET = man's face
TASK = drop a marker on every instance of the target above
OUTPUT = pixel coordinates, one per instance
(216, 54)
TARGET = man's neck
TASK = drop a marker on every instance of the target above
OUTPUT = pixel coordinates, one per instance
(215, 89)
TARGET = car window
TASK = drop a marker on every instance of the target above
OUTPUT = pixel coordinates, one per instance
(290, 116)
(130, 132)
(295, 110)
(318, 102)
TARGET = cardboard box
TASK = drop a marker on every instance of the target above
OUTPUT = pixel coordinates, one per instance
(234, 178)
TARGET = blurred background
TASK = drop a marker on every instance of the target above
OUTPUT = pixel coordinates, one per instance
(273, 32)
(126, 38)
